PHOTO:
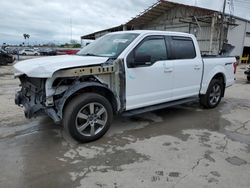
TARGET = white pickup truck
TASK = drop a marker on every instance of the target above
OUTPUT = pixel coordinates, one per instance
(122, 73)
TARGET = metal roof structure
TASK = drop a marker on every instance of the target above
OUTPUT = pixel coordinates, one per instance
(148, 15)
(154, 11)
(113, 29)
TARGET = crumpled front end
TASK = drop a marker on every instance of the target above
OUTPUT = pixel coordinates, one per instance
(31, 96)
(50, 95)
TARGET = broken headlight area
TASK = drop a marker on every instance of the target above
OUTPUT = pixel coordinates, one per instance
(31, 96)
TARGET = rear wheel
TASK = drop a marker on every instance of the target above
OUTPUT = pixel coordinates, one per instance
(88, 117)
(214, 94)
(24, 54)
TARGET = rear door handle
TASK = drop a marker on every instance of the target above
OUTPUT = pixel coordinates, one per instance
(197, 67)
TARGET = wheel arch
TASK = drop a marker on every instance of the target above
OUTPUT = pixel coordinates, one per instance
(216, 73)
(80, 88)
(219, 76)
(222, 77)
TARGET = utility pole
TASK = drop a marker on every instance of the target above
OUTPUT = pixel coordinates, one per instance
(222, 26)
(70, 29)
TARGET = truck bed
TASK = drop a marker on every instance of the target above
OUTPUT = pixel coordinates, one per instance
(217, 64)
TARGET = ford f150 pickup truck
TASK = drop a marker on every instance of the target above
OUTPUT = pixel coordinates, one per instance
(125, 73)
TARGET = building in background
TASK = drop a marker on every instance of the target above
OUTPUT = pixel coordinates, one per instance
(205, 24)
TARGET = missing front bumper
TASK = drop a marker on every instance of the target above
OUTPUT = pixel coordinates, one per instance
(31, 109)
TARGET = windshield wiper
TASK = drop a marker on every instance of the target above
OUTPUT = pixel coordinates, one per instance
(89, 54)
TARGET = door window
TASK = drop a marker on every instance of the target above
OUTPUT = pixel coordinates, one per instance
(182, 48)
(149, 51)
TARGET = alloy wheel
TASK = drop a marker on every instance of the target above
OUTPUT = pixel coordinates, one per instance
(215, 94)
(91, 119)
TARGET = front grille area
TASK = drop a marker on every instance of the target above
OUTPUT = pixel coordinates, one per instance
(31, 96)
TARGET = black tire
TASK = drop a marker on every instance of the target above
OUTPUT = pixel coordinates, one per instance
(36, 54)
(209, 100)
(24, 54)
(248, 78)
(3, 63)
(79, 105)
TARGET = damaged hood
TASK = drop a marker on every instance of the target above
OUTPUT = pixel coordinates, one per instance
(45, 67)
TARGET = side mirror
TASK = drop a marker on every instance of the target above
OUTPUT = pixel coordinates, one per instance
(142, 59)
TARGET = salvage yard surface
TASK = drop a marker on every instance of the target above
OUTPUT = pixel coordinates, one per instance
(183, 146)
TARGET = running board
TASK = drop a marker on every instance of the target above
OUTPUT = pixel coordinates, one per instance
(158, 106)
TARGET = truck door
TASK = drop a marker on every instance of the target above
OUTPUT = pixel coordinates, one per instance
(187, 67)
(149, 75)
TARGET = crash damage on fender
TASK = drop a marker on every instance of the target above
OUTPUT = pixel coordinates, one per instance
(50, 95)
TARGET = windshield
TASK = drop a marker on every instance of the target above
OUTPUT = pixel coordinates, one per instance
(109, 45)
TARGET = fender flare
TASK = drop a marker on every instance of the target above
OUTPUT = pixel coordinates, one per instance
(75, 88)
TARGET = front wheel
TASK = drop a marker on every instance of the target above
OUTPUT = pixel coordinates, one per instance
(248, 78)
(214, 94)
(88, 117)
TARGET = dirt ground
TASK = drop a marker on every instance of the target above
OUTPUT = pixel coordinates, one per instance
(183, 146)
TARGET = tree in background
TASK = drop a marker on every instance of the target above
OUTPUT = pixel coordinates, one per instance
(26, 36)
(73, 44)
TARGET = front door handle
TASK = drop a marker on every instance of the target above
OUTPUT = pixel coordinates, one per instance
(168, 70)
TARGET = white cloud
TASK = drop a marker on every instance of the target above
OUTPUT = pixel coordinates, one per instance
(47, 20)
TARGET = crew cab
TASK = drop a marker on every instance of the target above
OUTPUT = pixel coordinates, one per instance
(121, 73)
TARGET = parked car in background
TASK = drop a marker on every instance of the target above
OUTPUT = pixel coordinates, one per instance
(124, 73)
(11, 50)
(5, 58)
(29, 52)
(14, 51)
(67, 52)
(47, 52)
(247, 73)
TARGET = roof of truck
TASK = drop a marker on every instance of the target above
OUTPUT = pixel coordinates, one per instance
(153, 32)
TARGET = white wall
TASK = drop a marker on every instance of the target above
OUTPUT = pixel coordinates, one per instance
(170, 22)
(247, 38)
(247, 42)
(236, 37)
(239, 8)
